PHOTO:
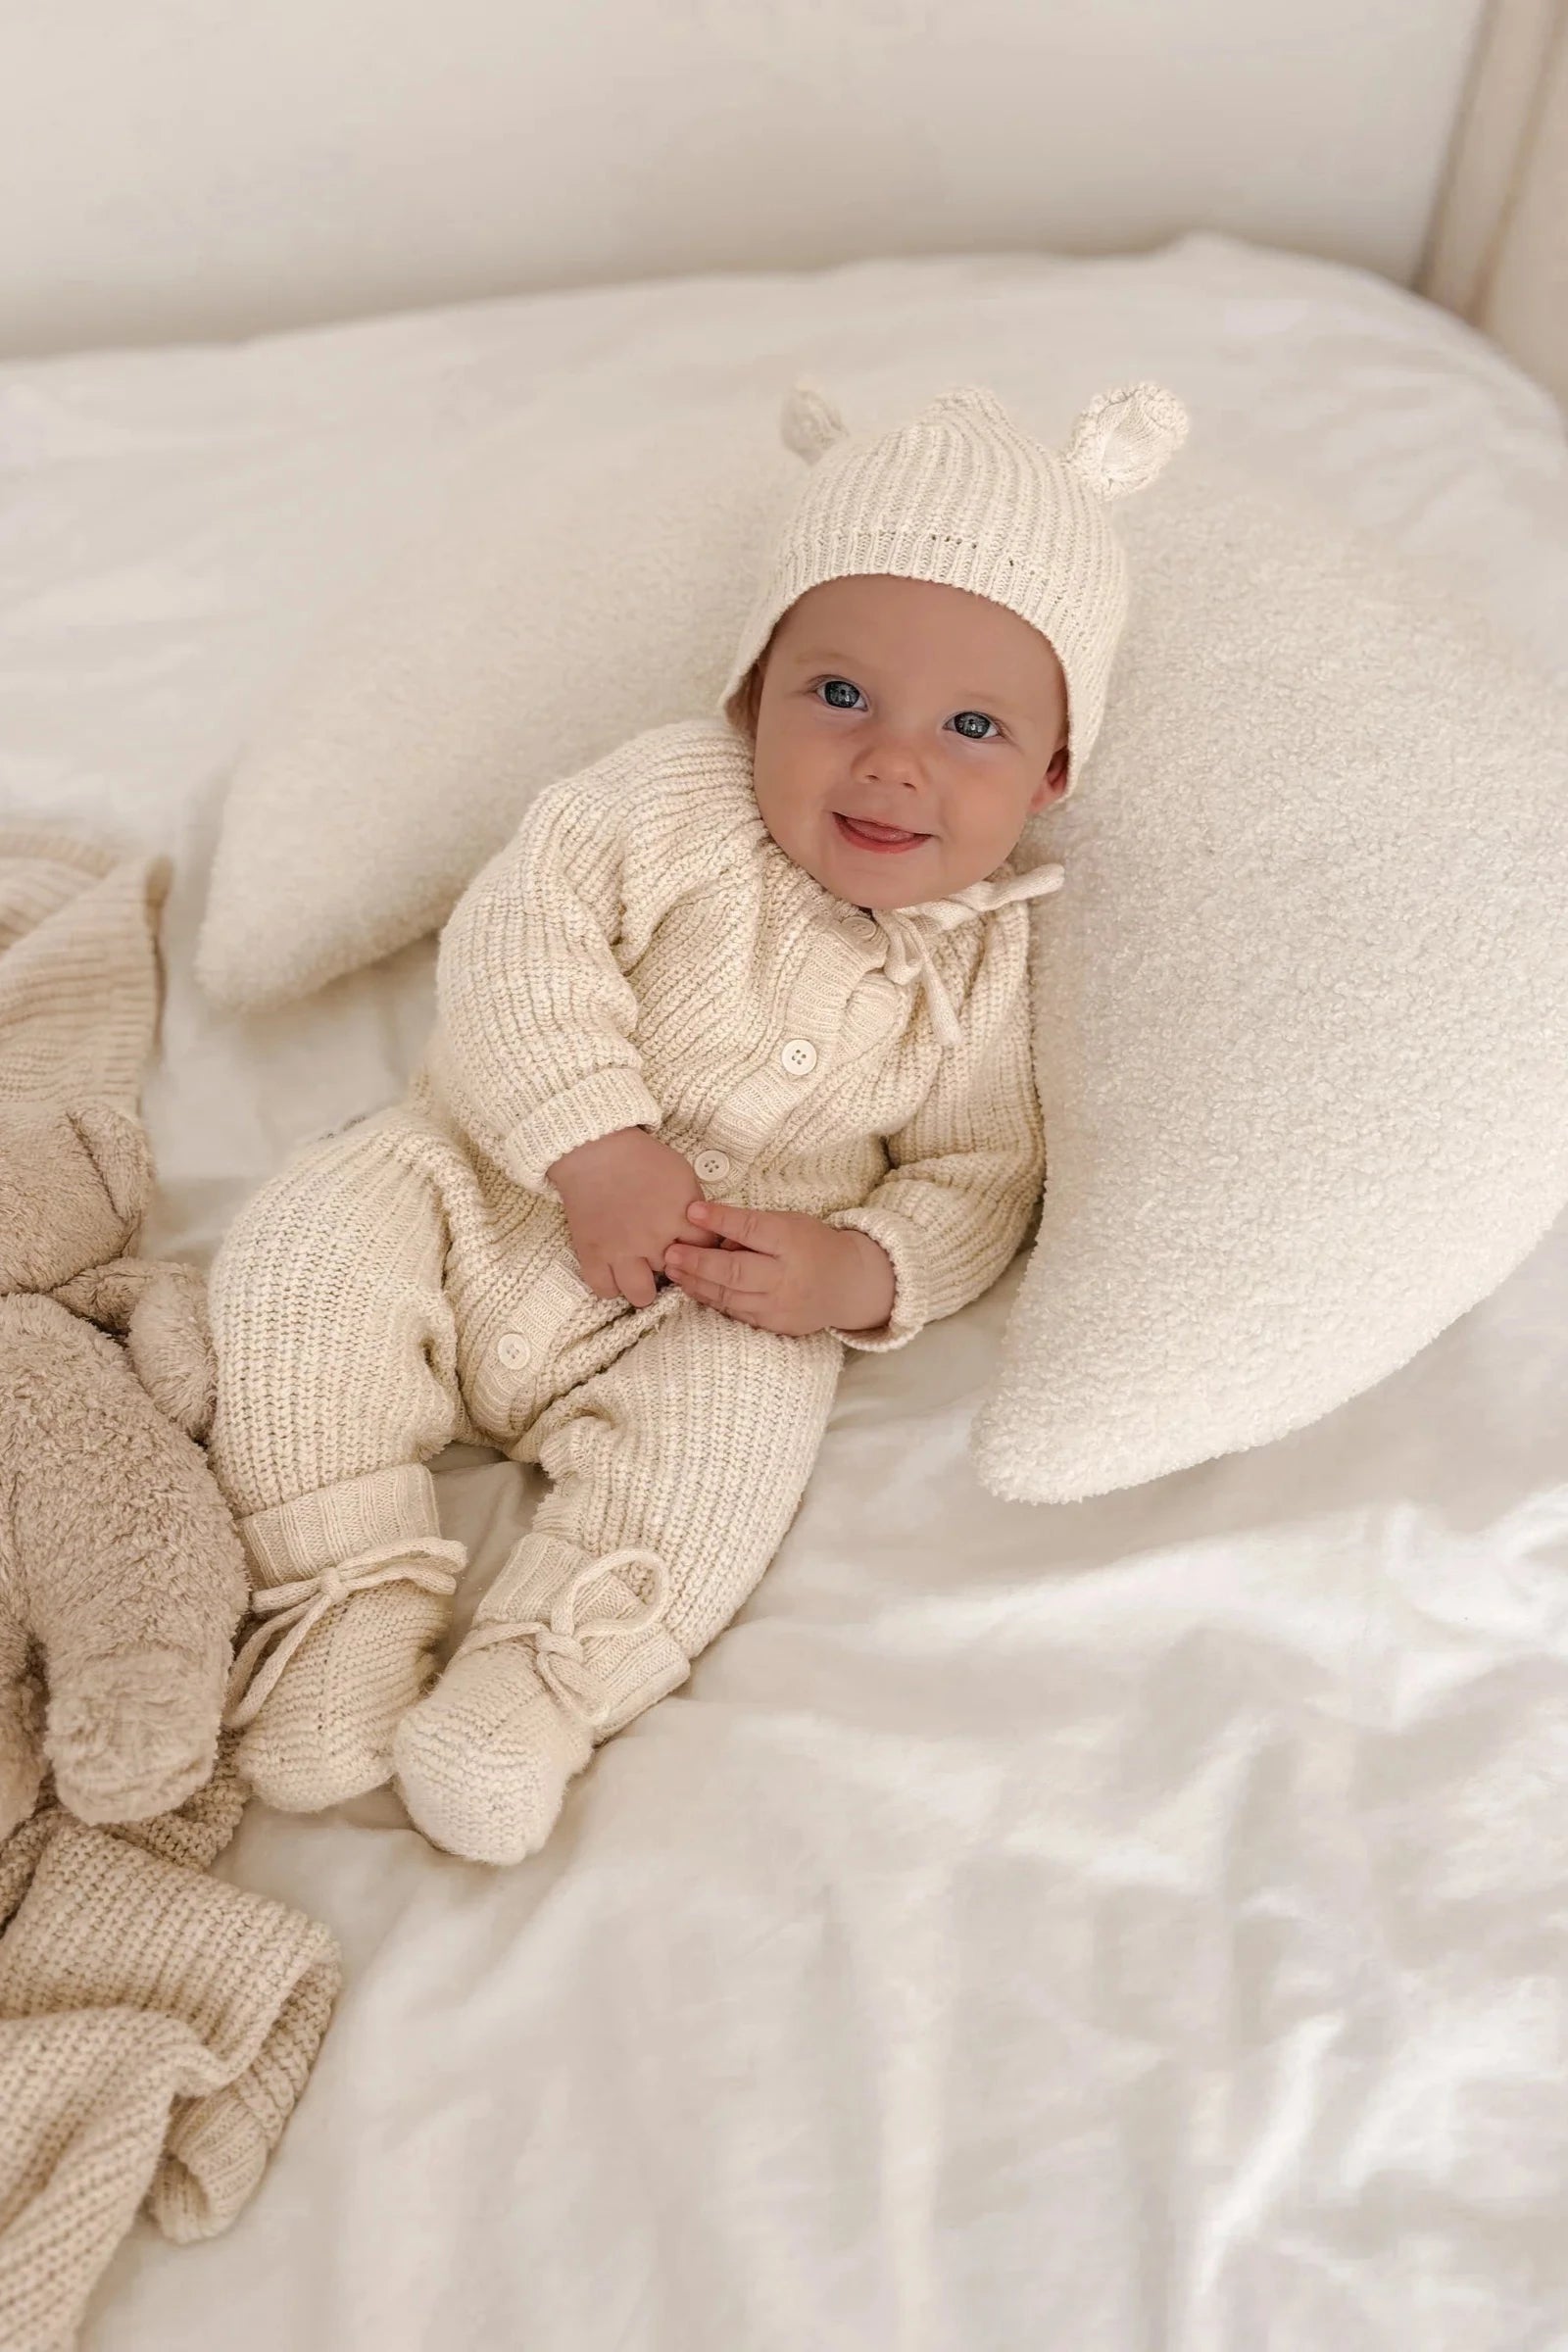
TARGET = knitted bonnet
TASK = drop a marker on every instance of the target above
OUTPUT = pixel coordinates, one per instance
(959, 494)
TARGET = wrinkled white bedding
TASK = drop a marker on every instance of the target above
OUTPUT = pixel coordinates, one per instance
(1126, 1926)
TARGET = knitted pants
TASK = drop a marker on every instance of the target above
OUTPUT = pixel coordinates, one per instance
(388, 1292)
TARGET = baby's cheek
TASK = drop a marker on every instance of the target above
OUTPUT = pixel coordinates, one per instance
(1005, 821)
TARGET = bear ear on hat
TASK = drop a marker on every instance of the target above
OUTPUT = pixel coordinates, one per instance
(1124, 438)
(809, 422)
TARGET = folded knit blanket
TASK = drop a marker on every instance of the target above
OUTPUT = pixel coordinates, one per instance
(157, 2025)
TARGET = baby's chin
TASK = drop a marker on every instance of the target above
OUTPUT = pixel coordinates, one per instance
(920, 877)
(883, 880)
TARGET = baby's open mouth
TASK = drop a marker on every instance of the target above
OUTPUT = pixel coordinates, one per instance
(863, 835)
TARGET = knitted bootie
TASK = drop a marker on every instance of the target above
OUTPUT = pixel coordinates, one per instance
(483, 1761)
(353, 1650)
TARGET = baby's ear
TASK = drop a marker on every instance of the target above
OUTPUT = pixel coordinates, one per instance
(1054, 783)
(741, 707)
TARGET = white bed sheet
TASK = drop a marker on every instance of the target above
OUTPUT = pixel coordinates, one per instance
(1134, 1925)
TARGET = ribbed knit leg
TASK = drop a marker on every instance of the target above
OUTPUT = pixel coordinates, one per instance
(336, 1382)
(336, 1350)
(688, 1456)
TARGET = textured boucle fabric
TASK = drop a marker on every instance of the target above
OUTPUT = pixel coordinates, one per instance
(1302, 1009)
(960, 494)
(156, 2026)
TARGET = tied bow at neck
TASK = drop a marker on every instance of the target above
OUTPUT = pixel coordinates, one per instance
(909, 956)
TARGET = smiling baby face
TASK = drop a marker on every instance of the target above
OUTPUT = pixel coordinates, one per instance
(903, 733)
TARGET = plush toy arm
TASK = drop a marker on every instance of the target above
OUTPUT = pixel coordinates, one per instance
(160, 1308)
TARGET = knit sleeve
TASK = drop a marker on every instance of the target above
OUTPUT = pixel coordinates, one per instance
(967, 1174)
(536, 1023)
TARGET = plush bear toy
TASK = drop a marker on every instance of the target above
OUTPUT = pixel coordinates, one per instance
(122, 1576)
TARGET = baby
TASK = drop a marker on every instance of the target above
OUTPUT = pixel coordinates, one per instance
(732, 1070)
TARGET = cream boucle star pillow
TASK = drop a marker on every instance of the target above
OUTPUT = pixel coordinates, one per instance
(1302, 1007)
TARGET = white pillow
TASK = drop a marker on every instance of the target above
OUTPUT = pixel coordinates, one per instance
(1301, 1008)
(575, 591)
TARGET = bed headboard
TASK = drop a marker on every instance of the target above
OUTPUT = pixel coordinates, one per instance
(1498, 249)
(178, 168)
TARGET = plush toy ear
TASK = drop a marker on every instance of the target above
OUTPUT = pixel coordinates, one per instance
(809, 422)
(1124, 438)
(170, 1346)
(116, 1145)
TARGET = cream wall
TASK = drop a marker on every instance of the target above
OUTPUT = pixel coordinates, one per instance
(200, 167)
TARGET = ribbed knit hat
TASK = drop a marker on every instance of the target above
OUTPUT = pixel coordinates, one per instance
(959, 494)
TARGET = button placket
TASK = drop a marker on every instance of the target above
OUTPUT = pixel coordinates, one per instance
(768, 1099)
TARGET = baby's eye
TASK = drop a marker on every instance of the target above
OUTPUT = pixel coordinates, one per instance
(969, 732)
(838, 703)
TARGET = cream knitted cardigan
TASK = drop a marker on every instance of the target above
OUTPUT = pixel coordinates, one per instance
(643, 954)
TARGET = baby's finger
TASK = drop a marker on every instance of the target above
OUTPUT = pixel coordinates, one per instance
(733, 1270)
(634, 1279)
(739, 1305)
(753, 1228)
(598, 1278)
(711, 1294)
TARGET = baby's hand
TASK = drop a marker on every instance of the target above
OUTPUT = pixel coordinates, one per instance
(625, 1199)
(785, 1272)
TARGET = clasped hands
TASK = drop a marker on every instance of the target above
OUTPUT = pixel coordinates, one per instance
(635, 1210)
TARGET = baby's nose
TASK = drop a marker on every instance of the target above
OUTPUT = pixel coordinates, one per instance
(892, 763)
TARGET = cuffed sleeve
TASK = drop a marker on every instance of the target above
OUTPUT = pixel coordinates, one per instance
(595, 1106)
(967, 1174)
(905, 1245)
